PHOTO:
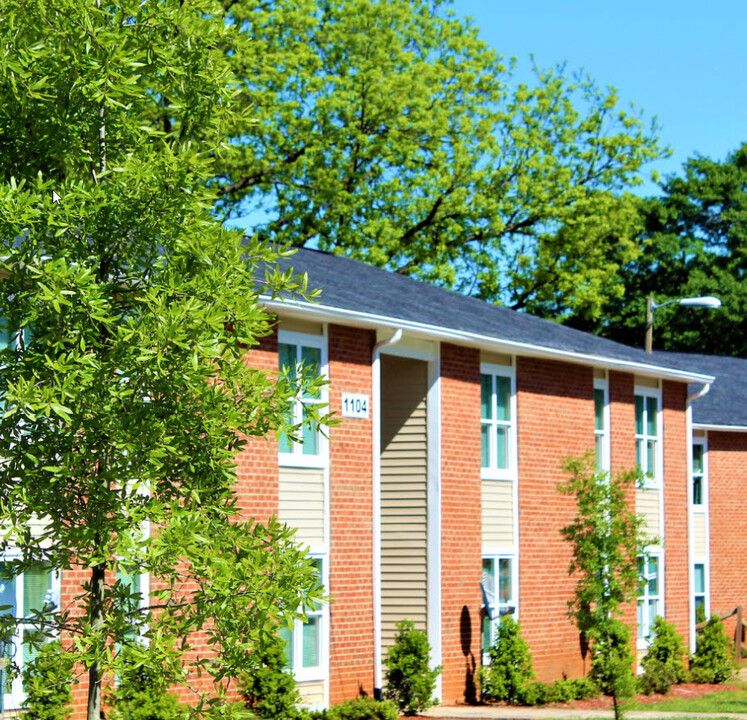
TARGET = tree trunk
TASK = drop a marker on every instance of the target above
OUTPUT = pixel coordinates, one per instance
(97, 619)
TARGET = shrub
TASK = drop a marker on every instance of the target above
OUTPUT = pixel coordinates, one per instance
(409, 680)
(612, 661)
(712, 662)
(560, 691)
(269, 690)
(363, 708)
(47, 681)
(140, 695)
(510, 664)
(663, 664)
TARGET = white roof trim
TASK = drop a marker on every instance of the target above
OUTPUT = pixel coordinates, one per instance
(719, 428)
(325, 313)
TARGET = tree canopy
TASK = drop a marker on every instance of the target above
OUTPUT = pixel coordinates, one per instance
(128, 314)
(694, 243)
(388, 131)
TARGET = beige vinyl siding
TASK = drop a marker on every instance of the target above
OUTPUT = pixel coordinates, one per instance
(403, 494)
(301, 503)
(301, 326)
(647, 382)
(647, 503)
(492, 358)
(312, 693)
(497, 513)
(700, 544)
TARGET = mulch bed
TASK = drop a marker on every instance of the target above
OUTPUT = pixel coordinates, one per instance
(688, 691)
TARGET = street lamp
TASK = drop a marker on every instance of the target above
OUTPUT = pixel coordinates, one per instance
(705, 302)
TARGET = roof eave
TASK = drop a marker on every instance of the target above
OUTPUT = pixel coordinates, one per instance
(713, 427)
(325, 313)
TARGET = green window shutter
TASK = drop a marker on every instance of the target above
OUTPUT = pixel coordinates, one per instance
(599, 409)
(639, 415)
(37, 582)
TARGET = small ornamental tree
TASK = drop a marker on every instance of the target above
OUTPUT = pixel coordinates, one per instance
(47, 682)
(606, 539)
(410, 681)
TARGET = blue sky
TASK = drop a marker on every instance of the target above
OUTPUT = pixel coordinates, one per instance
(685, 62)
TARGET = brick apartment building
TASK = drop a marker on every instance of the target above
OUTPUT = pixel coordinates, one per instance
(434, 498)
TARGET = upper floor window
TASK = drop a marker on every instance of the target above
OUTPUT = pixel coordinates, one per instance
(601, 426)
(699, 475)
(498, 424)
(648, 435)
(296, 351)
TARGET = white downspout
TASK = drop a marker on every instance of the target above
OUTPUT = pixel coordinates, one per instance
(699, 393)
(690, 518)
(376, 502)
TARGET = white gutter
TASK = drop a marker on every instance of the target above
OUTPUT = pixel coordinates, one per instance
(376, 502)
(719, 428)
(324, 313)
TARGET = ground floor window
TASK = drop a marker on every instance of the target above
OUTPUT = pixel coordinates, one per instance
(305, 643)
(499, 595)
(649, 597)
(700, 596)
(22, 596)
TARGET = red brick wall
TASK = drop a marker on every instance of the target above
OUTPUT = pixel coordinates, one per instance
(555, 420)
(727, 468)
(351, 612)
(676, 449)
(461, 551)
(257, 464)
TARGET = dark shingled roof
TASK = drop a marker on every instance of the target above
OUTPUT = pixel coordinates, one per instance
(354, 286)
(726, 401)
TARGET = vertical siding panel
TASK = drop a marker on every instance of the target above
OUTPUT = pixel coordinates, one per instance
(403, 494)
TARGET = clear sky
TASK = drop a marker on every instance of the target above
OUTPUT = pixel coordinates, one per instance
(684, 61)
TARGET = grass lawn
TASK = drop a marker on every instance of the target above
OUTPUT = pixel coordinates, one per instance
(724, 701)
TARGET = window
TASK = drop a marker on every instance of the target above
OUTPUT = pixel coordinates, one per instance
(305, 644)
(498, 423)
(135, 585)
(294, 352)
(700, 596)
(647, 436)
(35, 590)
(699, 476)
(601, 426)
(649, 598)
(499, 596)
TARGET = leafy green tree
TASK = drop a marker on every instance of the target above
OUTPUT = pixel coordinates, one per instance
(606, 539)
(388, 131)
(47, 681)
(694, 242)
(129, 311)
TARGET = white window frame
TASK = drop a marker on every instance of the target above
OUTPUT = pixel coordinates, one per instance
(15, 698)
(495, 609)
(492, 472)
(604, 464)
(652, 480)
(296, 457)
(643, 634)
(706, 589)
(320, 672)
(701, 507)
